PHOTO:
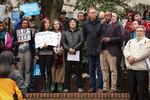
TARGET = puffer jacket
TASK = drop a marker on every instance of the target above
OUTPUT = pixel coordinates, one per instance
(72, 39)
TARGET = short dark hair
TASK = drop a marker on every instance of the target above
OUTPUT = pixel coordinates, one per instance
(63, 12)
(76, 21)
(6, 61)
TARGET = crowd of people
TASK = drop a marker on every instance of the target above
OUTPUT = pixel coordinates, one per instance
(105, 38)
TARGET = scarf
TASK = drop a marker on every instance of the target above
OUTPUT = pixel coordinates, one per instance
(2, 34)
(2, 38)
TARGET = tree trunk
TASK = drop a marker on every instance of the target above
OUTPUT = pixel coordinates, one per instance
(2, 1)
(51, 8)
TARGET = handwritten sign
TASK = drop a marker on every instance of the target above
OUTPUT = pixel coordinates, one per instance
(30, 9)
(46, 37)
(23, 35)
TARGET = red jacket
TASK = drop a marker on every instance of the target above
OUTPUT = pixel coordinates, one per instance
(128, 26)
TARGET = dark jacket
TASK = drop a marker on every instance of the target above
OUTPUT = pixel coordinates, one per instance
(72, 39)
(114, 32)
(65, 24)
(16, 76)
(92, 38)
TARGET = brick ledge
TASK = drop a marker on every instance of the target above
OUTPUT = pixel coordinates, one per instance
(78, 95)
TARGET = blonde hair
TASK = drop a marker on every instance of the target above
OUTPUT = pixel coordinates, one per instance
(141, 26)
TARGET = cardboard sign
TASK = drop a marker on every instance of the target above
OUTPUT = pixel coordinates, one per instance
(23, 35)
(30, 9)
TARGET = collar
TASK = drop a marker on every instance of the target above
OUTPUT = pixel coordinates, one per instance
(140, 39)
(74, 30)
(95, 21)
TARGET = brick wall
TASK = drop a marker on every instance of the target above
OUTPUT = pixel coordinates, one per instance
(78, 96)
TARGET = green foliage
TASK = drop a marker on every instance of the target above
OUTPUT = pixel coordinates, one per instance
(104, 5)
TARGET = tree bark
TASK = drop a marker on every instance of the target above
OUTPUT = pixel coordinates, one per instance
(51, 8)
(2, 1)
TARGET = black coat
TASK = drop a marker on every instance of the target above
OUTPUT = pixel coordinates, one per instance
(72, 39)
(90, 30)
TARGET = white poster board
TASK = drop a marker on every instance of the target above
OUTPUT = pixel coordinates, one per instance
(23, 35)
(45, 38)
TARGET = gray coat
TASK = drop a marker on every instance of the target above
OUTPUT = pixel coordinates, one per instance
(90, 30)
(72, 39)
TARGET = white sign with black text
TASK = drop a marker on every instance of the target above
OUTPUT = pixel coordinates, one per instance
(24, 35)
(45, 38)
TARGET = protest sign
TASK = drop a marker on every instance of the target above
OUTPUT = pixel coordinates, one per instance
(15, 15)
(30, 9)
(46, 37)
(23, 35)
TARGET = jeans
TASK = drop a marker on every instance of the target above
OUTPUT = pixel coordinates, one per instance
(24, 65)
(94, 65)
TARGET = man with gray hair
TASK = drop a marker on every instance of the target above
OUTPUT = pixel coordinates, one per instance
(136, 52)
(91, 27)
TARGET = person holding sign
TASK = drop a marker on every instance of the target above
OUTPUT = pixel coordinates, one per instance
(23, 45)
(72, 41)
(45, 59)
